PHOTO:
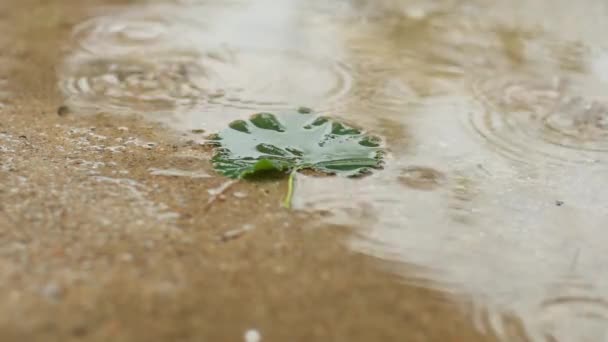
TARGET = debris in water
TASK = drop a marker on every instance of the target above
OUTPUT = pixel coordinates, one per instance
(482, 168)
(559, 203)
(304, 110)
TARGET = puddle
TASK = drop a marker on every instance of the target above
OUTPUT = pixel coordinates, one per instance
(496, 117)
(471, 201)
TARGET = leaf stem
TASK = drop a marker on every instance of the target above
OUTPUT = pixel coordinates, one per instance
(290, 187)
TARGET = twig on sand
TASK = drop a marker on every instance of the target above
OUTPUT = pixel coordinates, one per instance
(218, 192)
(234, 233)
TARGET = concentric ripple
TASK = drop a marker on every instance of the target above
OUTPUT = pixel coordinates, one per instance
(538, 120)
(574, 304)
(164, 59)
(140, 29)
(104, 34)
(274, 79)
(252, 80)
(134, 83)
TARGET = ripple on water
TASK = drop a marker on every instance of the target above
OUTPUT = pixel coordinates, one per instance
(538, 120)
(259, 79)
(572, 311)
(421, 178)
(137, 29)
(106, 35)
(159, 83)
(252, 80)
(152, 60)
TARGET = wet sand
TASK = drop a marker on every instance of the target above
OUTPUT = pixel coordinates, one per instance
(95, 247)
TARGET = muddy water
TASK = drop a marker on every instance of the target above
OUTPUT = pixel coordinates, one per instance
(494, 114)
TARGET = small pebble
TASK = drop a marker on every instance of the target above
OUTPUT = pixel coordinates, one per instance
(252, 335)
(240, 194)
(63, 110)
(80, 330)
(416, 13)
(51, 291)
(235, 233)
(149, 244)
(126, 257)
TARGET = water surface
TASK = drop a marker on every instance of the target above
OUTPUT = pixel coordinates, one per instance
(495, 116)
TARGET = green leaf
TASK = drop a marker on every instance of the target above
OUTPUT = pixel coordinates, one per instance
(292, 142)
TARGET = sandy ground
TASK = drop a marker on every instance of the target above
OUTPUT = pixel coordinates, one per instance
(95, 247)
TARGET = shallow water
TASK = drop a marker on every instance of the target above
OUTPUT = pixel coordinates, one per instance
(495, 116)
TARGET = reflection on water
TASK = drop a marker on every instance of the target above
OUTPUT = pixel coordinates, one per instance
(495, 115)
(209, 62)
